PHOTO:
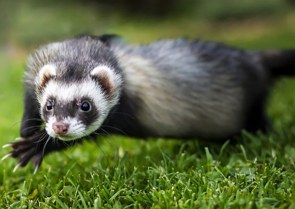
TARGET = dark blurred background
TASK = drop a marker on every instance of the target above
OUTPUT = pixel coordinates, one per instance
(31, 22)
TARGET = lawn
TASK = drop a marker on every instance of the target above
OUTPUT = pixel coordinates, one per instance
(256, 171)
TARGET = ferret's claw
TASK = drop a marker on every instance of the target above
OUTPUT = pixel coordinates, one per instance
(6, 145)
(36, 169)
(16, 167)
(37, 160)
(6, 156)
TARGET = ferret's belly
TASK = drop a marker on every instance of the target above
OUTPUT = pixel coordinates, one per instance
(214, 121)
(214, 111)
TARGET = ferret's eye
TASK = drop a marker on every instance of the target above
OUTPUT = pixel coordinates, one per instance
(49, 105)
(85, 106)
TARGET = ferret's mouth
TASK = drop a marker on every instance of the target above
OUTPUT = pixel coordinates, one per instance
(65, 130)
(67, 137)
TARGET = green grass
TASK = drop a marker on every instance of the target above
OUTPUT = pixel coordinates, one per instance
(257, 171)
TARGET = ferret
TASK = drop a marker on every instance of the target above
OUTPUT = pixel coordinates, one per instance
(95, 85)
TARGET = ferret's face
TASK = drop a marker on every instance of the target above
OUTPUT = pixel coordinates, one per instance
(75, 109)
(71, 111)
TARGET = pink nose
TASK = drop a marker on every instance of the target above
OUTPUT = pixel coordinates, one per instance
(60, 128)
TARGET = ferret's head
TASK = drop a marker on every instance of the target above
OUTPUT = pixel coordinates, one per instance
(76, 88)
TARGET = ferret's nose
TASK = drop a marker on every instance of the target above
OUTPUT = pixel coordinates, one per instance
(60, 128)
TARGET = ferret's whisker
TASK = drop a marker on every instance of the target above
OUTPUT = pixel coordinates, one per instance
(115, 128)
(44, 148)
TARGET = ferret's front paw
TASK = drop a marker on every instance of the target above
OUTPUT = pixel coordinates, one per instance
(28, 149)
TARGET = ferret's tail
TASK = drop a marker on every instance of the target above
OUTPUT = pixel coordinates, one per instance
(279, 62)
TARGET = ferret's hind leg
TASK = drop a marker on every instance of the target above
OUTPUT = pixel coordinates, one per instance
(257, 119)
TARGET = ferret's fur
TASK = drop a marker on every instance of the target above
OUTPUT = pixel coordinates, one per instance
(171, 88)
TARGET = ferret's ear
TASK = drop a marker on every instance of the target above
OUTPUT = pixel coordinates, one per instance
(46, 73)
(106, 78)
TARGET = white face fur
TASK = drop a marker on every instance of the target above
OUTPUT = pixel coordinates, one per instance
(76, 109)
